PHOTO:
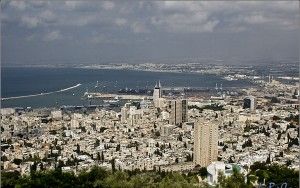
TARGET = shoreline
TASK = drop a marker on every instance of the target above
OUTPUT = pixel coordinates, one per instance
(41, 94)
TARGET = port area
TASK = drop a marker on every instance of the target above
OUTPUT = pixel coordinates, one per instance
(115, 96)
(168, 92)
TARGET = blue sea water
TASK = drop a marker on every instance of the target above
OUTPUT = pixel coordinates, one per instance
(17, 81)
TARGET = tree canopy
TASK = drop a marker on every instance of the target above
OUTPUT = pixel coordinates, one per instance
(99, 177)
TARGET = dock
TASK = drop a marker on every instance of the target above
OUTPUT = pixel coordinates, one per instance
(116, 96)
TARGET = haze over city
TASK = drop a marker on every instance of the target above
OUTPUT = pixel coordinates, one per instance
(51, 32)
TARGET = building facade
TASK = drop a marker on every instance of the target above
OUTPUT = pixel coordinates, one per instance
(179, 111)
(205, 142)
(157, 94)
(250, 102)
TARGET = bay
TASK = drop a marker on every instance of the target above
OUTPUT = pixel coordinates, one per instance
(21, 81)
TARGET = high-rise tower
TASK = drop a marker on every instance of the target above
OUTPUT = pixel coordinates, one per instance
(205, 142)
(157, 94)
(179, 111)
(250, 102)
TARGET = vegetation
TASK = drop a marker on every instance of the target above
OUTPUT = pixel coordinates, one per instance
(248, 143)
(275, 100)
(237, 180)
(214, 107)
(260, 173)
(292, 118)
(98, 177)
(277, 174)
(203, 172)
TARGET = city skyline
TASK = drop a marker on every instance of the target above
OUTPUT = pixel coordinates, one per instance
(150, 94)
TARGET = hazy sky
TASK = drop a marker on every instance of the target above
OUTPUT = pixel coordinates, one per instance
(93, 31)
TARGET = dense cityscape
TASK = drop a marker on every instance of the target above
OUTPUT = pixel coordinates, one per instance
(149, 94)
(215, 131)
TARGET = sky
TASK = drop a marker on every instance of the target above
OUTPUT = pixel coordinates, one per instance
(83, 32)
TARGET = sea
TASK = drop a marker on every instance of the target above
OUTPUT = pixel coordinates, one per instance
(24, 81)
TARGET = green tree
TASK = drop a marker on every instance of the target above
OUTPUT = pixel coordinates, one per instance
(113, 164)
(97, 143)
(98, 156)
(118, 147)
(9, 179)
(203, 172)
(102, 156)
(17, 161)
(77, 148)
(236, 180)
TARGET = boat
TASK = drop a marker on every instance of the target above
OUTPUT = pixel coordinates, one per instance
(230, 78)
(96, 84)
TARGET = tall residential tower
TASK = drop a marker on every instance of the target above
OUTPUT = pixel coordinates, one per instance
(206, 142)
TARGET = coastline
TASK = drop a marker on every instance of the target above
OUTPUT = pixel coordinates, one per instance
(41, 94)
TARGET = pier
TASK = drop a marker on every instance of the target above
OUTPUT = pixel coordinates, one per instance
(115, 96)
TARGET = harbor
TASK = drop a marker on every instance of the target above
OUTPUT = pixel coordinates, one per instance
(115, 96)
